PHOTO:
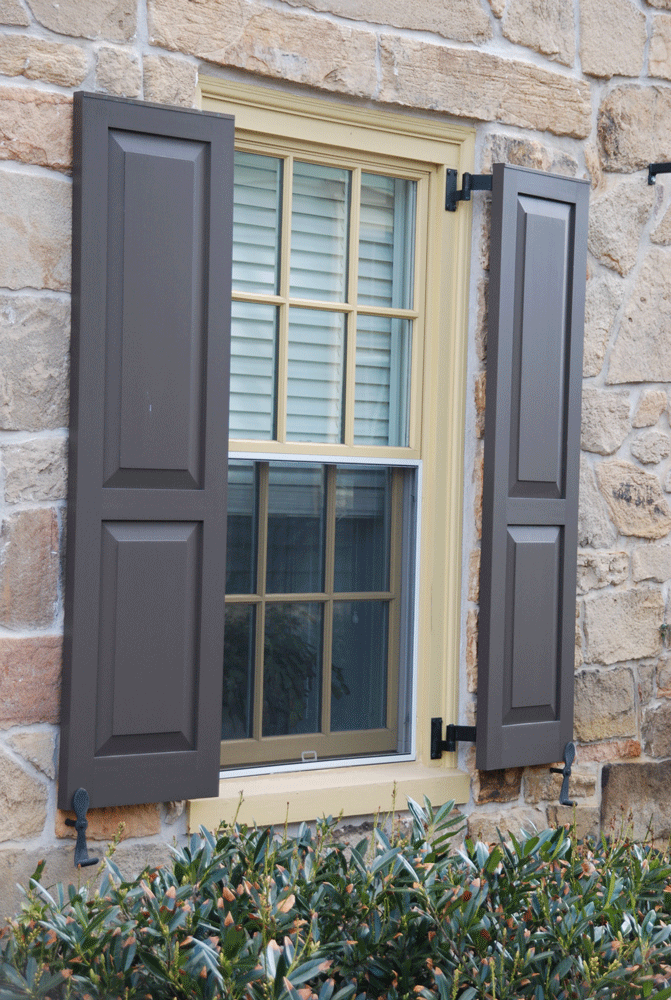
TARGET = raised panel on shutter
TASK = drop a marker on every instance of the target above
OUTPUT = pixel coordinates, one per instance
(145, 572)
(531, 471)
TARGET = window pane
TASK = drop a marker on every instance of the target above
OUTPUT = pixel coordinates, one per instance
(292, 669)
(382, 389)
(319, 230)
(295, 529)
(253, 338)
(238, 692)
(256, 222)
(359, 677)
(387, 241)
(241, 528)
(315, 382)
(362, 529)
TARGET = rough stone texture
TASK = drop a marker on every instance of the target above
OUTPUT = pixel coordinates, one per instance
(496, 786)
(113, 20)
(605, 420)
(623, 625)
(35, 470)
(29, 569)
(637, 796)
(486, 826)
(578, 657)
(651, 562)
(656, 730)
(650, 407)
(546, 27)
(661, 4)
(659, 55)
(661, 234)
(23, 801)
(605, 704)
(498, 7)
(586, 819)
(642, 351)
(523, 152)
(38, 748)
(634, 127)
(601, 569)
(478, 473)
(296, 47)
(463, 20)
(480, 389)
(35, 223)
(635, 499)
(603, 299)
(646, 682)
(541, 785)
(663, 678)
(651, 447)
(613, 750)
(139, 821)
(118, 72)
(11, 12)
(612, 38)
(616, 222)
(170, 81)
(594, 526)
(36, 59)
(472, 651)
(30, 673)
(35, 127)
(34, 362)
(482, 86)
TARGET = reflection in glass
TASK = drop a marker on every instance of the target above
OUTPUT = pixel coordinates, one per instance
(241, 528)
(292, 669)
(319, 225)
(257, 194)
(252, 401)
(363, 501)
(295, 529)
(382, 381)
(238, 691)
(359, 676)
(315, 375)
(387, 241)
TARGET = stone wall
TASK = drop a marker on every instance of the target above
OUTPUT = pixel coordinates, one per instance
(576, 88)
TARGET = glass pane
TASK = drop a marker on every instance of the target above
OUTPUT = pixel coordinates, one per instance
(382, 388)
(292, 669)
(241, 528)
(359, 675)
(363, 501)
(315, 375)
(253, 338)
(387, 241)
(295, 529)
(238, 693)
(319, 229)
(257, 195)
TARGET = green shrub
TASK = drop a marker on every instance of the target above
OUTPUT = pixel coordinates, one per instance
(245, 914)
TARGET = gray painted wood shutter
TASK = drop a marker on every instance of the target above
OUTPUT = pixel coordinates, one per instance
(531, 470)
(145, 577)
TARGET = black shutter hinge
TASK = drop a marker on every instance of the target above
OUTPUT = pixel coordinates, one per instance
(80, 804)
(453, 735)
(569, 757)
(471, 182)
(657, 168)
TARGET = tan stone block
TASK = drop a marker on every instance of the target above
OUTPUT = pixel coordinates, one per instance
(578, 655)
(118, 72)
(647, 673)
(633, 127)
(35, 127)
(524, 152)
(35, 470)
(472, 651)
(36, 59)
(139, 821)
(656, 730)
(612, 38)
(605, 705)
(651, 562)
(635, 499)
(464, 20)
(486, 826)
(650, 407)
(11, 12)
(30, 676)
(474, 576)
(636, 799)
(471, 713)
(498, 7)
(661, 4)
(613, 750)
(29, 566)
(601, 569)
(478, 473)
(480, 388)
(661, 234)
(623, 625)
(272, 42)
(593, 166)
(481, 85)
(651, 447)
(616, 222)
(111, 19)
(497, 786)
(546, 27)
(541, 785)
(605, 420)
(659, 55)
(170, 81)
(23, 801)
(604, 296)
(482, 319)
(38, 748)
(35, 223)
(594, 526)
(585, 819)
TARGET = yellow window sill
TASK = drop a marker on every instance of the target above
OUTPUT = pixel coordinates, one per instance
(306, 795)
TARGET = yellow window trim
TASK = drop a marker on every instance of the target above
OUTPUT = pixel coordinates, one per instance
(263, 116)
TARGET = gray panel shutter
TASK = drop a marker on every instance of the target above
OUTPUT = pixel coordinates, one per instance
(143, 648)
(532, 442)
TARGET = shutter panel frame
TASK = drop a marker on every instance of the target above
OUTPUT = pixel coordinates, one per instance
(150, 316)
(529, 528)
